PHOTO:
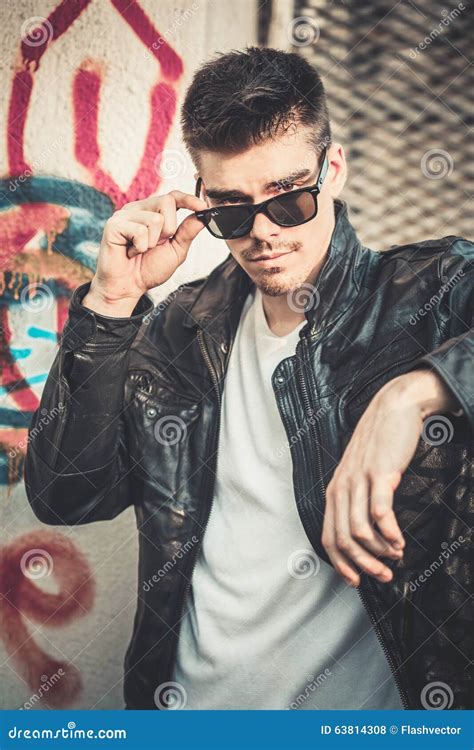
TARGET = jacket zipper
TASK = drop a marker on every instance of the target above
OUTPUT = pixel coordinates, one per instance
(388, 655)
(204, 519)
(317, 442)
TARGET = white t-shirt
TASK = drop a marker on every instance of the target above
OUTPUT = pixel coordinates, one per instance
(269, 625)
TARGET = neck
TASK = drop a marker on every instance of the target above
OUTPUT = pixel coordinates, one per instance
(280, 317)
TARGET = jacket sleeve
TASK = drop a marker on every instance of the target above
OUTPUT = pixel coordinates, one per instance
(77, 466)
(453, 360)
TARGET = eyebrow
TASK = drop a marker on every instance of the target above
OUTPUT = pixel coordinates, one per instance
(223, 194)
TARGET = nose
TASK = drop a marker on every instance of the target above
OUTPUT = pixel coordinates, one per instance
(263, 228)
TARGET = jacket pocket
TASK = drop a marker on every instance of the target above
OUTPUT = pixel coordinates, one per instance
(164, 445)
(149, 385)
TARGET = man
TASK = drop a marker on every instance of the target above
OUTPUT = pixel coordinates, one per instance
(276, 425)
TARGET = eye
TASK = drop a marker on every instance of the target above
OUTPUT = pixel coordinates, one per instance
(228, 202)
(286, 186)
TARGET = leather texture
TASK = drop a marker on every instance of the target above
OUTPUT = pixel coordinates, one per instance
(138, 426)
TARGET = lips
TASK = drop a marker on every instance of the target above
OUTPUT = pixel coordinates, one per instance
(270, 257)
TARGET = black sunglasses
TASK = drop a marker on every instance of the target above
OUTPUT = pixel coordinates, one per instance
(287, 210)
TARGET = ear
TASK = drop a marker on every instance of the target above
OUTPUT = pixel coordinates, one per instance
(338, 175)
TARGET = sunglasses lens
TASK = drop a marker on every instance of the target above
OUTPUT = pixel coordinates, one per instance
(290, 210)
(228, 223)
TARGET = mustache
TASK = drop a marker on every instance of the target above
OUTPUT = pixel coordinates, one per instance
(265, 248)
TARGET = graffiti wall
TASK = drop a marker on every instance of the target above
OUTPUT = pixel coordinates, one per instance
(91, 91)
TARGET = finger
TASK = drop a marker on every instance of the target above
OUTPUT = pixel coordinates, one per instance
(179, 199)
(164, 220)
(168, 208)
(168, 205)
(132, 252)
(341, 564)
(381, 511)
(346, 568)
(128, 232)
(348, 546)
(362, 528)
(186, 233)
(153, 220)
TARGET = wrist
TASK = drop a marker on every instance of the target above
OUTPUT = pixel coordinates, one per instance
(103, 303)
(422, 389)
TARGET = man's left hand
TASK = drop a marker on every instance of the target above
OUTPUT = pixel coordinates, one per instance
(360, 526)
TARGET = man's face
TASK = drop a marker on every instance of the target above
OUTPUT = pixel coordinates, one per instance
(261, 172)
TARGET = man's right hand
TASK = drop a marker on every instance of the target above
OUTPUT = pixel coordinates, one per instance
(142, 246)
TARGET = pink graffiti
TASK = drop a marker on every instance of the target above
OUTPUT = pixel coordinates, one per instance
(29, 558)
(85, 104)
(86, 95)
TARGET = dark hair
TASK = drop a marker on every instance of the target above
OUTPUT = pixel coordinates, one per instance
(244, 97)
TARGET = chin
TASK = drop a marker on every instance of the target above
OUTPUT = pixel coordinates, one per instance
(275, 282)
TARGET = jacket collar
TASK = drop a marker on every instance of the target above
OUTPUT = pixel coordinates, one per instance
(337, 285)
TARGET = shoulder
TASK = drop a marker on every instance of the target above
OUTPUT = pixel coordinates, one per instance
(170, 312)
(433, 258)
(433, 248)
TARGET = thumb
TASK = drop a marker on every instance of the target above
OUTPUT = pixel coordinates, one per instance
(185, 234)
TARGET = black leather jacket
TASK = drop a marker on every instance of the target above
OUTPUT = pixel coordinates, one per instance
(122, 384)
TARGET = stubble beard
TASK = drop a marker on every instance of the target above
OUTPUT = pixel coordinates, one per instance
(275, 281)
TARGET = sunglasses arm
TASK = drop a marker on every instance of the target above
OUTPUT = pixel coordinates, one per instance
(323, 172)
(197, 191)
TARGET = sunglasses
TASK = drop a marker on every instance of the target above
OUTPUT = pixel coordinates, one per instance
(287, 210)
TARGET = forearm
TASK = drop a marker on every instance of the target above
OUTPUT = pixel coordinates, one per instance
(424, 389)
(91, 370)
(75, 433)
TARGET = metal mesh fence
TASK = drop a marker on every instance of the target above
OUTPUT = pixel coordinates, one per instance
(399, 79)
